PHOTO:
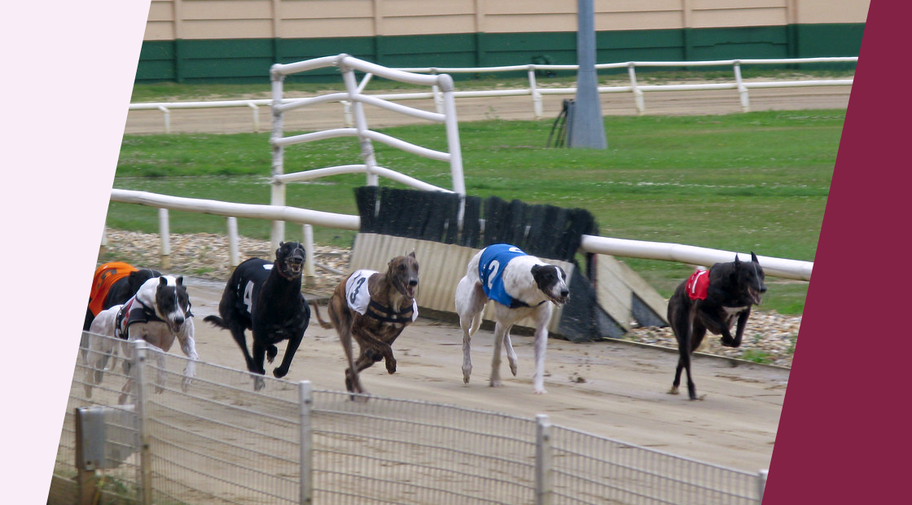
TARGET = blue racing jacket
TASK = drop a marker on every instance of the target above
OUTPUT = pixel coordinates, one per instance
(494, 260)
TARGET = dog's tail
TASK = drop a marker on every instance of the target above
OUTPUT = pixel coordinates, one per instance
(216, 321)
(323, 324)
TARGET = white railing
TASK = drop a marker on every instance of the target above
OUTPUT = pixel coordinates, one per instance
(354, 95)
(536, 92)
(693, 255)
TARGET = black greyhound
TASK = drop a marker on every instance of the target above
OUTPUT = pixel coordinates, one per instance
(266, 298)
(712, 300)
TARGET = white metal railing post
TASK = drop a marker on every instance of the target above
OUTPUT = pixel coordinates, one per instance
(278, 158)
(452, 131)
(256, 116)
(762, 475)
(367, 148)
(140, 409)
(167, 117)
(233, 256)
(164, 234)
(306, 404)
(637, 92)
(536, 95)
(742, 89)
(307, 232)
(542, 460)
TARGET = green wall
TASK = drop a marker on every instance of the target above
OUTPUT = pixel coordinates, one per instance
(248, 60)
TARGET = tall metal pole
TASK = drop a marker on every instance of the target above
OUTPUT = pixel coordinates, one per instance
(586, 126)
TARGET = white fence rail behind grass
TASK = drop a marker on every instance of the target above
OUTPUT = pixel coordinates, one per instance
(354, 94)
(536, 92)
(222, 442)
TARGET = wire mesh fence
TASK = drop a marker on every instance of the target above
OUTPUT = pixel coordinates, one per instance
(223, 442)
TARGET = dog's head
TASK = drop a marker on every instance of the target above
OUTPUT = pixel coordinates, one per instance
(749, 279)
(172, 303)
(552, 281)
(402, 271)
(289, 260)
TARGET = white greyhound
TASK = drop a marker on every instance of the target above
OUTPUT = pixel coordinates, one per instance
(157, 314)
(520, 285)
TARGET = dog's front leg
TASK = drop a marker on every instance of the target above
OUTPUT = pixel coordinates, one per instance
(257, 359)
(543, 317)
(290, 350)
(188, 346)
(739, 331)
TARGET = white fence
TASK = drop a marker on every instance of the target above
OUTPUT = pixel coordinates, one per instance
(536, 92)
(354, 95)
(775, 267)
(222, 442)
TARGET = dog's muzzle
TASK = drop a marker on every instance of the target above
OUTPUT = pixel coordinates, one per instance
(562, 299)
(409, 288)
(755, 294)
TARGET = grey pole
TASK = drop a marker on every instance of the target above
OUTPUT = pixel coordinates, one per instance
(586, 126)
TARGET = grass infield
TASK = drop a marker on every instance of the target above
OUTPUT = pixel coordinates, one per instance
(743, 182)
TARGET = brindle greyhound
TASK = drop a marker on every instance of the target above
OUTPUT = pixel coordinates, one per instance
(374, 308)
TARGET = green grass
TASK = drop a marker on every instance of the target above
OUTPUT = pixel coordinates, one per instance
(745, 182)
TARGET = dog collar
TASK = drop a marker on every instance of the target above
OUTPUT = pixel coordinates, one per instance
(388, 315)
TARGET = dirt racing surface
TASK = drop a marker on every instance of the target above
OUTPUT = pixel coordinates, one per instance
(612, 389)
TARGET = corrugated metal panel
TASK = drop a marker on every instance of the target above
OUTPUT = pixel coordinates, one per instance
(441, 266)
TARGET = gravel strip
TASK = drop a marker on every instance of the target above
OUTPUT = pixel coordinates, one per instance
(768, 338)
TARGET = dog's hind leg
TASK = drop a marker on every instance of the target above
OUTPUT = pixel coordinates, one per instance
(499, 331)
(470, 302)
(511, 354)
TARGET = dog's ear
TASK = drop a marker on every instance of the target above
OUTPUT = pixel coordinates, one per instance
(737, 260)
(180, 280)
(162, 281)
(412, 255)
(754, 257)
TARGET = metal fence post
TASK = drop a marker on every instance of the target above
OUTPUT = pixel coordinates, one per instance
(306, 404)
(145, 450)
(742, 89)
(233, 256)
(542, 460)
(761, 484)
(164, 233)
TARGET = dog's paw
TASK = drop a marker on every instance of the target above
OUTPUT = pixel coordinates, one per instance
(540, 391)
(391, 365)
(727, 342)
(673, 390)
(258, 383)
(271, 352)
(185, 384)
(513, 368)
(280, 372)
(495, 383)
(466, 373)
